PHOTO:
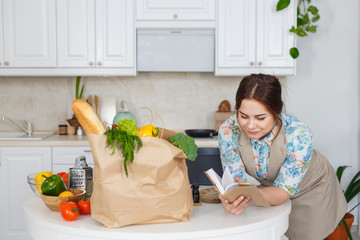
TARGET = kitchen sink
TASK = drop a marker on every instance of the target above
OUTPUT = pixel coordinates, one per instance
(20, 136)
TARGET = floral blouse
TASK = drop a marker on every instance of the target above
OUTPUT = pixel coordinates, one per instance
(299, 144)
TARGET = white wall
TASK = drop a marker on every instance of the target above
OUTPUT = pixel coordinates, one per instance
(324, 93)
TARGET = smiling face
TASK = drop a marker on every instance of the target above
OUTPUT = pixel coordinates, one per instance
(255, 119)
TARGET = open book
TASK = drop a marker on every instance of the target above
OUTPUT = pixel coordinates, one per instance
(232, 190)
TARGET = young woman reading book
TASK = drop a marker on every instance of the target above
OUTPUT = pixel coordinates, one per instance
(276, 149)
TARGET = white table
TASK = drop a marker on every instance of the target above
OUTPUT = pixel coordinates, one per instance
(208, 221)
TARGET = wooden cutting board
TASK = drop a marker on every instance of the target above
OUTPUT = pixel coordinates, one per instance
(209, 195)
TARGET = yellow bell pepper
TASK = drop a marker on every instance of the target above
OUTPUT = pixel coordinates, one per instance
(40, 178)
(148, 131)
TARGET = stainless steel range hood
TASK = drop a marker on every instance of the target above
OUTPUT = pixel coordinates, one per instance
(175, 50)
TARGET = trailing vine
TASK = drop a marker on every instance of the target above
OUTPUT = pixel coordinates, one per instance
(307, 15)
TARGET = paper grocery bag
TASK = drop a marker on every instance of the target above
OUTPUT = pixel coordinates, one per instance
(156, 190)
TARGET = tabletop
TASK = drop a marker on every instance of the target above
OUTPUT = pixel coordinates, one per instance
(208, 221)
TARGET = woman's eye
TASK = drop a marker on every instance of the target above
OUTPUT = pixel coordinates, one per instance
(244, 117)
(260, 119)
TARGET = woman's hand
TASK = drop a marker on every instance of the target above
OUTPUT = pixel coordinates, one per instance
(236, 207)
(239, 205)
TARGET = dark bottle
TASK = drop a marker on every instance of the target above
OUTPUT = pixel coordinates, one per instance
(196, 193)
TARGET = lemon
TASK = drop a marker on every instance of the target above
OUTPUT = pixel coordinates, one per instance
(66, 194)
(39, 178)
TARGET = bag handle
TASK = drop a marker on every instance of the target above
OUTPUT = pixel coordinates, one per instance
(151, 115)
(137, 109)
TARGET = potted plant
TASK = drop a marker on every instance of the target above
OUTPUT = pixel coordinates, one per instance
(342, 231)
(78, 95)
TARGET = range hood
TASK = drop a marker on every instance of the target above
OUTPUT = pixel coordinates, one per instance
(175, 50)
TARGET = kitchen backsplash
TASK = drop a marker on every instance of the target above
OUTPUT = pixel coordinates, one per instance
(184, 100)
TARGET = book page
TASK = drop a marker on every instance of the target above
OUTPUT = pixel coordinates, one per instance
(227, 178)
(215, 179)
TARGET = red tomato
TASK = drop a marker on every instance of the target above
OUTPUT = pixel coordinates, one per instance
(61, 205)
(61, 174)
(65, 178)
(70, 211)
(84, 207)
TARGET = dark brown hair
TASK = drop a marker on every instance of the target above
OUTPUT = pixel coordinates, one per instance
(265, 89)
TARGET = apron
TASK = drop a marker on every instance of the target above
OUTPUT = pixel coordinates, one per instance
(320, 203)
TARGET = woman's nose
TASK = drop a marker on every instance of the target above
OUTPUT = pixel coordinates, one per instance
(251, 124)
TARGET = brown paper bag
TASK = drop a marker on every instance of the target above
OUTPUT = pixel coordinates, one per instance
(157, 189)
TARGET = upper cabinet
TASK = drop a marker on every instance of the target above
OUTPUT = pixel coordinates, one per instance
(1, 39)
(175, 10)
(29, 33)
(96, 34)
(98, 37)
(252, 37)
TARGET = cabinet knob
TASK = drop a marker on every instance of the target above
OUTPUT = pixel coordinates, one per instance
(175, 16)
(91, 63)
(0, 63)
(99, 63)
(6, 63)
(252, 63)
(259, 63)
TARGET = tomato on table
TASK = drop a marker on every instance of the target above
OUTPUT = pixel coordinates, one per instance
(70, 211)
(62, 204)
(84, 207)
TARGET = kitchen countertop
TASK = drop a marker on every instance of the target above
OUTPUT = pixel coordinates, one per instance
(81, 141)
(208, 221)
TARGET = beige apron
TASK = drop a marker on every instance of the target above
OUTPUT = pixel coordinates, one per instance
(318, 206)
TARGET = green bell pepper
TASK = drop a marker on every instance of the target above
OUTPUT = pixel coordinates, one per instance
(53, 186)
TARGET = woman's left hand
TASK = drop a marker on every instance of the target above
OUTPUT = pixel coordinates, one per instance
(236, 207)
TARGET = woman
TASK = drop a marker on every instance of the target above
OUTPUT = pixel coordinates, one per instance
(276, 149)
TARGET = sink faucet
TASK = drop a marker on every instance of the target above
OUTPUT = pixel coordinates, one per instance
(28, 128)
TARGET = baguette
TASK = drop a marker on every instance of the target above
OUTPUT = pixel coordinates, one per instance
(87, 117)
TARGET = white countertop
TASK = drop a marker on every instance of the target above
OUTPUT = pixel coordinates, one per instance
(81, 141)
(208, 221)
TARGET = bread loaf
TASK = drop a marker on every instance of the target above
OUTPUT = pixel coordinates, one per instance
(87, 117)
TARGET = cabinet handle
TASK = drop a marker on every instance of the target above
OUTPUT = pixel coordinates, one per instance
(259, 63)
(91, 63)
(0, 63)
(6, 63)
(175, 16)
(87, 151)
(99, 63)
(252, 63)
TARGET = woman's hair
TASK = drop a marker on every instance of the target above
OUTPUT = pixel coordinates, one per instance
(265, 89)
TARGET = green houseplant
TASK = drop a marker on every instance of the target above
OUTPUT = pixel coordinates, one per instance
(307, 15)
(351, 191)
(78, 92)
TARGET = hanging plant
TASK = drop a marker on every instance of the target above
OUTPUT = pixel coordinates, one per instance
(307, 15)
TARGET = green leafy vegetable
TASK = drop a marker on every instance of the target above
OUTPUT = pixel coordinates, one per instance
(185, 143)
(127, 125)
(127, 143)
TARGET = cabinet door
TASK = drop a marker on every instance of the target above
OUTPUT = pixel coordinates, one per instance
(1, 37)
(273, 37)
(236, 34)
(29, 33)
(76, 33)
(115, 33)
(16, 164)
(64, 157)
(175, 10)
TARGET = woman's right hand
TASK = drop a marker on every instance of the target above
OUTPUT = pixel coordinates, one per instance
(236, 207)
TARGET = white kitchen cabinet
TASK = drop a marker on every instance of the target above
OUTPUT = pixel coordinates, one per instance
(64, 157)
(175, 10)
(29, 33)
(252, 37)
(96, 34)
(15, 164)
(1, 39)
